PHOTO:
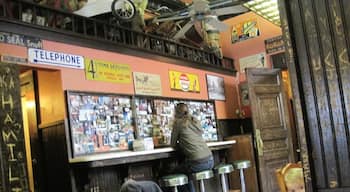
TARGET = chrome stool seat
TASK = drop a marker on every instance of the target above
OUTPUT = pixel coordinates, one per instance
(200, 176)
(222, 170)
(174, 181)
(241, 165)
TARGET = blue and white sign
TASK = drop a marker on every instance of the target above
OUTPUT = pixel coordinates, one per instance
(40, 56)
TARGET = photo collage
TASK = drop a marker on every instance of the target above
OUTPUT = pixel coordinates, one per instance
(155, 118)
(105, 122)
(99, 123)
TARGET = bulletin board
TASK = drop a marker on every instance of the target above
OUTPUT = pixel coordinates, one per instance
(99, 122)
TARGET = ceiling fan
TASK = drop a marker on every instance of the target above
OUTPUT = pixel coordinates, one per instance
(202, 16)
(203, 11)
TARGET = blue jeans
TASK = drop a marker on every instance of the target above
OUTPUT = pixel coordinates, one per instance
(191, 167)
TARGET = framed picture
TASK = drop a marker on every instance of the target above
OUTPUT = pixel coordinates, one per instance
(216, 87)
(244, 92)
(245, 30)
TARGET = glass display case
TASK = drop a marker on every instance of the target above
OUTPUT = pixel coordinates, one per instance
(99, 122)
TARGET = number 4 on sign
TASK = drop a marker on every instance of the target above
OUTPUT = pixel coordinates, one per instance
(92, 69)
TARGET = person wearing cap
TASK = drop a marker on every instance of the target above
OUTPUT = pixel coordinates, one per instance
(186, 137)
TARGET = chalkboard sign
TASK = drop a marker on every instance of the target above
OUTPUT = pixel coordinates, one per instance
(99, 122)
(155, 118)
(13, 155)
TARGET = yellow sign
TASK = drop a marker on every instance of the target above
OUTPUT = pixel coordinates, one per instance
(147, 84)
(106, 71)
(184, 81)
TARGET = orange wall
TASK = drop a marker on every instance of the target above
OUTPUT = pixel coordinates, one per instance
(74, 79)
(51, 98)
(250, 46)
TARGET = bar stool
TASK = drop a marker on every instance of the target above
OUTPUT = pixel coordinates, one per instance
(222, 170)
(200, 176)
(241, 165)
(174, 181)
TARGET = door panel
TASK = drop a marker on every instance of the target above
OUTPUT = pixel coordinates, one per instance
(270, 123)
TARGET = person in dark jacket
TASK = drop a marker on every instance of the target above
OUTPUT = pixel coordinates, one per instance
(186, 137)
(140, 186)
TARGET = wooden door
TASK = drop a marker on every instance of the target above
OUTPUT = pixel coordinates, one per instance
(270, 123)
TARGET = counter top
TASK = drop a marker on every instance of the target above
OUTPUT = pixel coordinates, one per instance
(114, 158)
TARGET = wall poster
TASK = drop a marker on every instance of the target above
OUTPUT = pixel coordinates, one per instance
(184, 81)
(245, 30)
(147, 84)
(252, 61)
(99, 122)
(216, 87)
(99, 70)
(274, 44)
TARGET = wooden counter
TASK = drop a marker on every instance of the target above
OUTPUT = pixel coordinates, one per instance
(106, 159)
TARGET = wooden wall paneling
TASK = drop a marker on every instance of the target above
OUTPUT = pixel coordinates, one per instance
(243, 149)
(308, 92)
(297, 90)
(320, 80)
(55, 157)
(344, 73)
(336, 62)
(345, 5)
(321, 36)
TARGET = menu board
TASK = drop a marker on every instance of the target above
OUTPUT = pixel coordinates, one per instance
(99, 122)
(155, 118)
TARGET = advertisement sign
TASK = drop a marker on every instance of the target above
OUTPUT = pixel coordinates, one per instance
(39, 56)
(147, 84)
(13, 59)
(184, 81)
(274, 44)
(21, 40)
(245, 30)
(99, 70)
(252, 61)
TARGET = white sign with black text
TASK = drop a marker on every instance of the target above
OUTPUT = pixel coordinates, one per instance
(252, 61)
(40, 56)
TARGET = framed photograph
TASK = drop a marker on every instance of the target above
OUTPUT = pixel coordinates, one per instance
(216, 87)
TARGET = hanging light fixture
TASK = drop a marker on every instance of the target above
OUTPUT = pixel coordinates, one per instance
(265, 8)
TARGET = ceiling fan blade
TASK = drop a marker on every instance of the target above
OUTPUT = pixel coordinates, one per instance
(177, 15)
(183, 30)
(94, 7)
(230, 10)
(215, 25)
(170, 18)
(200, 6)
